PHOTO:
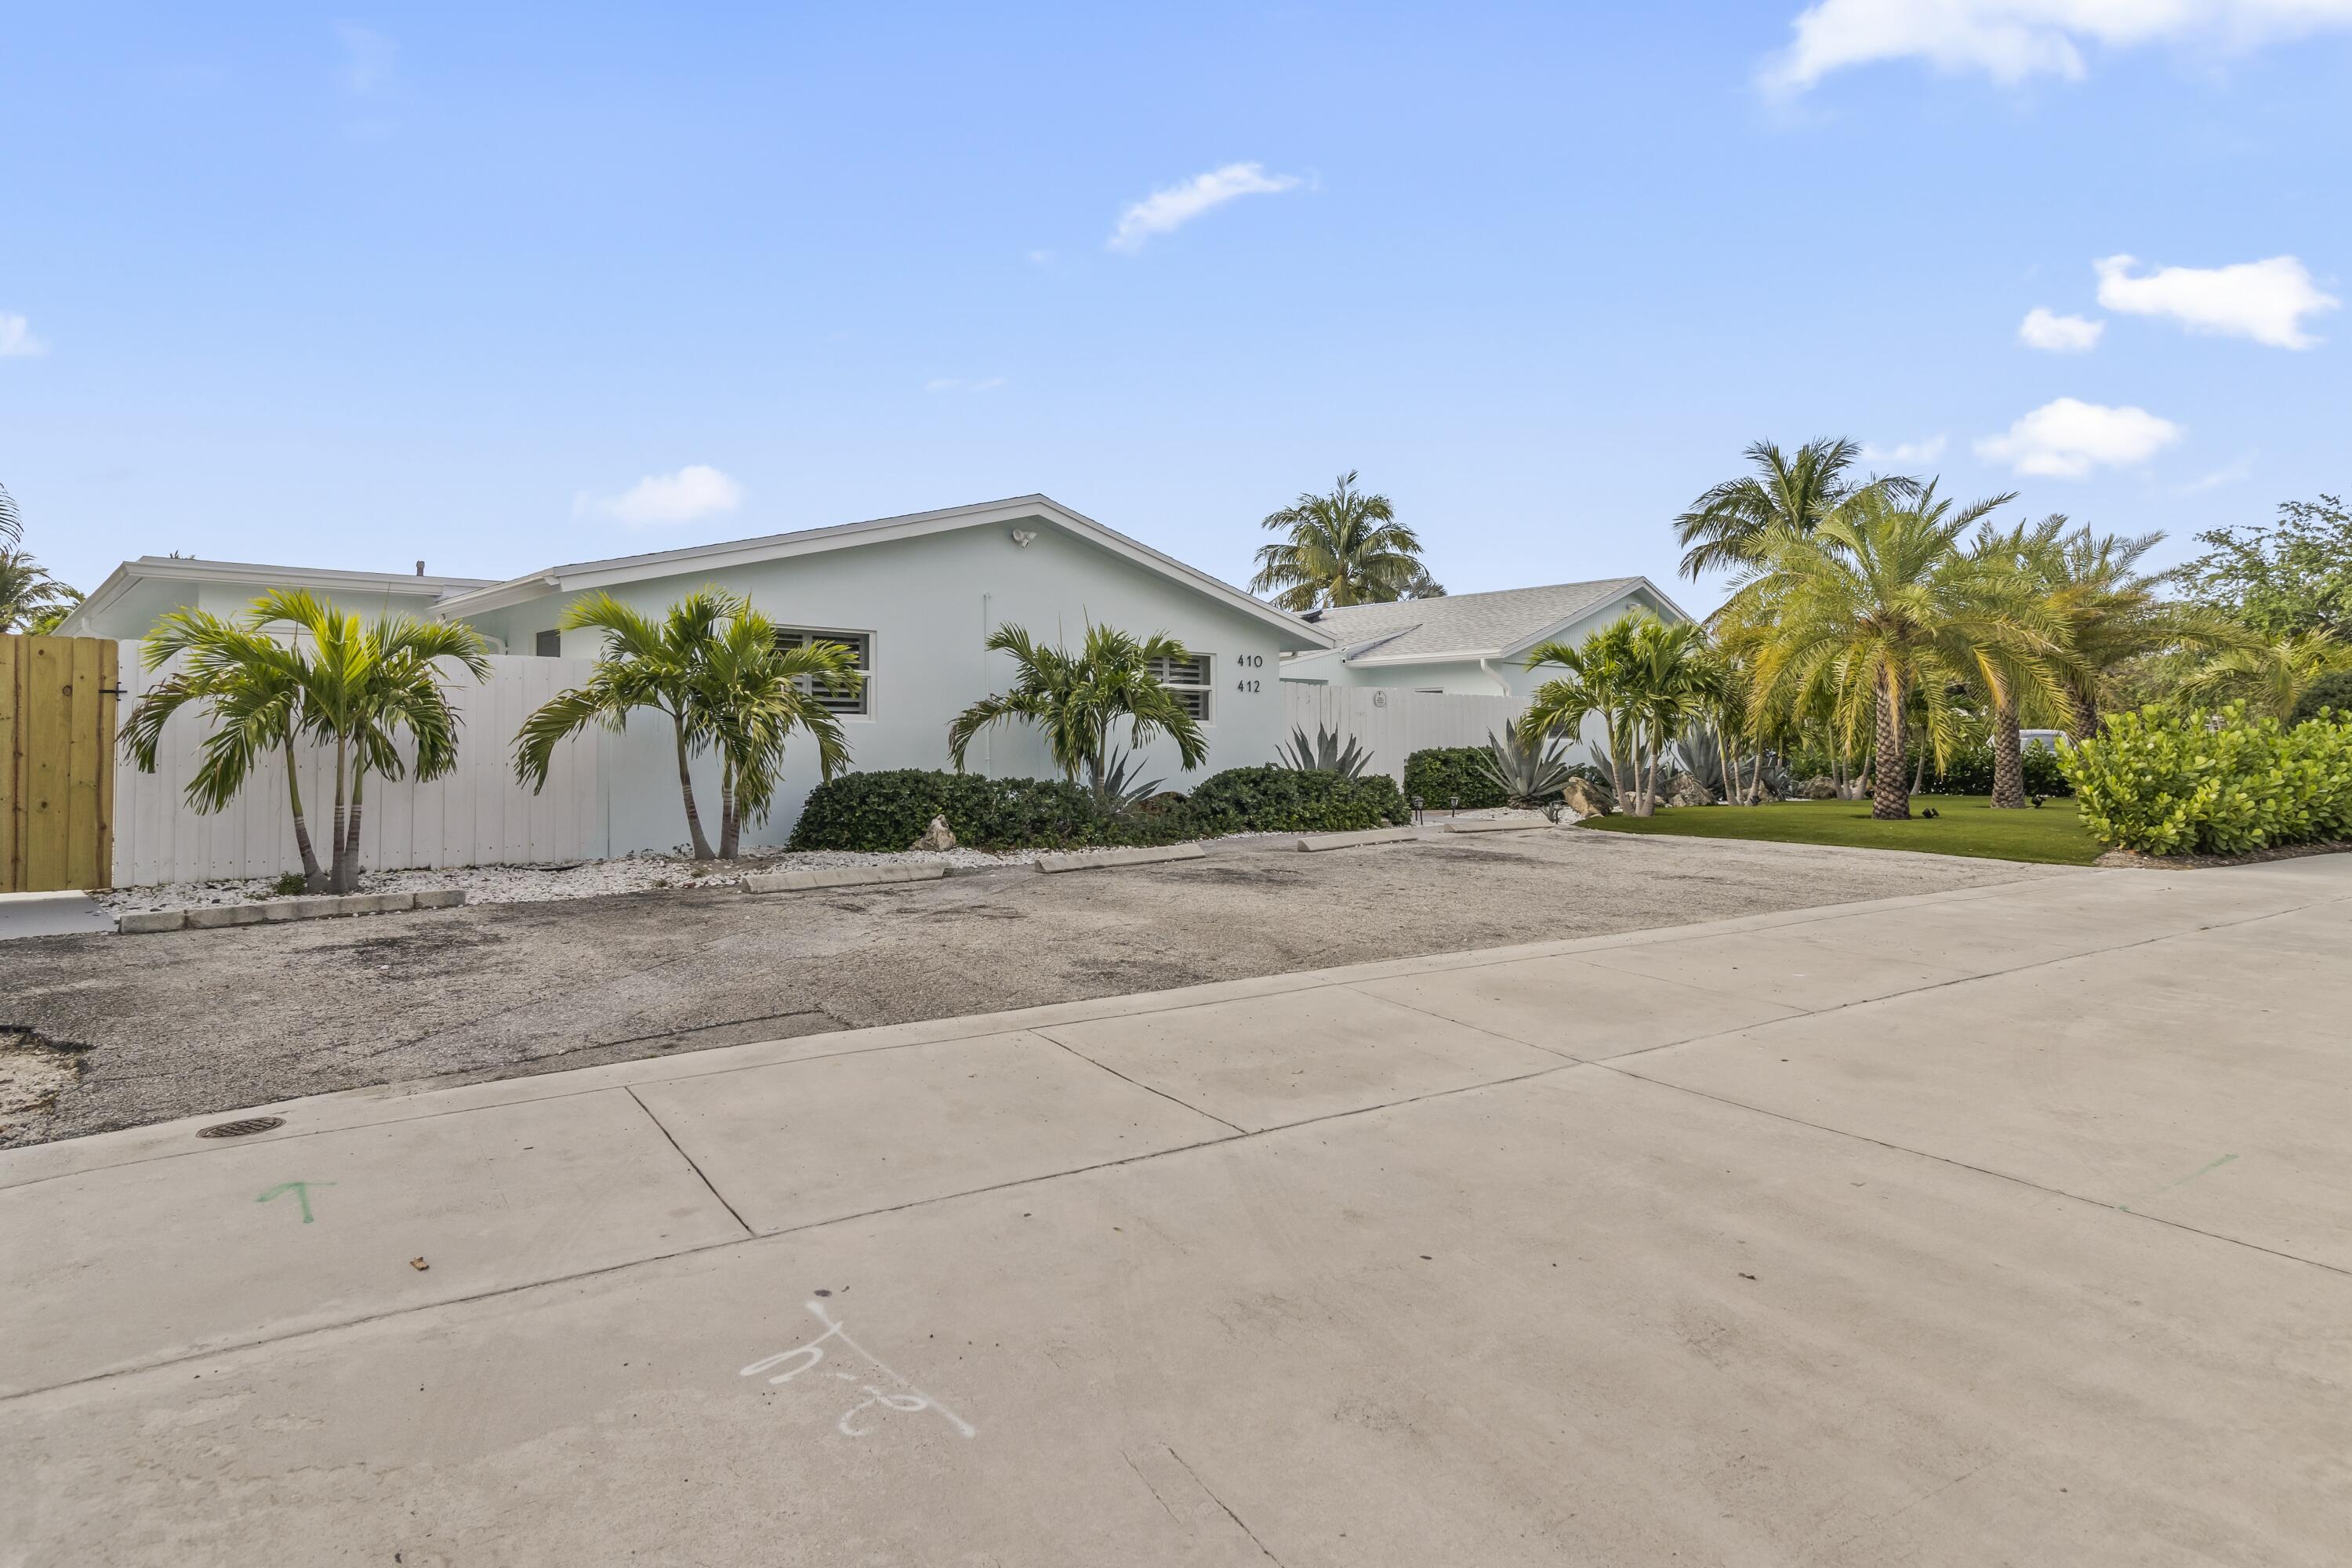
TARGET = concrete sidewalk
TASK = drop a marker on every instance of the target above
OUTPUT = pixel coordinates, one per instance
(2001, 1224)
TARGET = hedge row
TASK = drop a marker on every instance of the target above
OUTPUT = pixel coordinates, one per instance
(1968, 771)
(2213, 783)
(881, 812)
(1435, 776)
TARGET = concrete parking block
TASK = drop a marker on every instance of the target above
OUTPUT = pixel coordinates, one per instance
(1279, 1059)
(220, 917)
(144, 922)
(841, 876)
(1314, 842)
(810, 1140)
(1099, 859)
(1496, 824)
(235, 1242)
(440, 898)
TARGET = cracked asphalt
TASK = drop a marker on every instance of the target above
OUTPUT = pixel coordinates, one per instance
(195, 1022)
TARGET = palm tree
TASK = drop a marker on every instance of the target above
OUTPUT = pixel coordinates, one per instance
(1724, 530)
(1874, 605)
(1345, 548)
(749, 696)
(1078, 699)
(325, 675)
(2024, 562)
(2112, 612)
(2267, 677)
(1673, 679)
(1598, 683)
(30, 599)
(644, 663)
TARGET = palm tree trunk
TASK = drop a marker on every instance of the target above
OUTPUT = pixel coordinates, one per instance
(314, 881)
(335, 850)
(1919, 772)
(2086, 714)
(729, 823)
(347, 865)
(686, 787)
(1889, 799)
(2008, 758)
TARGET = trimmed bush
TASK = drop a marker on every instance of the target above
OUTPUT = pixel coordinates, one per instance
(1285, 800)
(2213, 783)
(2332, 689)
(883, 813)
(1441, 773)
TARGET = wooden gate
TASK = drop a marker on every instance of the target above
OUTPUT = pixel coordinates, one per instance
(57, 762)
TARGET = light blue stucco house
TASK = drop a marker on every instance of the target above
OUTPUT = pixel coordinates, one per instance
(1467, 644)
(913, 596)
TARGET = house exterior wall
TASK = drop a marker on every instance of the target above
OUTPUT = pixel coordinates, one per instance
(928, 602)
(133, 614)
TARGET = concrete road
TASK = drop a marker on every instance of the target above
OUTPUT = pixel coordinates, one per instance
(154, 1028)
(2011, 1225)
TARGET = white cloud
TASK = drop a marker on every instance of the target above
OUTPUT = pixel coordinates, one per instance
(2011, 40)
(2244, 468)
(17, 339)
(2067, 439)
(2057, 334)
(2264, 300)
(1926, 451)
(662, 501)
(1162, 212)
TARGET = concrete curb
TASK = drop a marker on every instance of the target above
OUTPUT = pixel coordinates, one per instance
(1491, 826)
(1321, 841)
(1103, 860)
(218, 916)
(840, 876)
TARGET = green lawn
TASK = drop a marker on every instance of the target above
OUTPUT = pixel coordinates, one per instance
(1968, 826)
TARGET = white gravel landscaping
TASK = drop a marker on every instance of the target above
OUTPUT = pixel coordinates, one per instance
(640, 873)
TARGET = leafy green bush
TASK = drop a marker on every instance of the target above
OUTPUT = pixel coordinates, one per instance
(2213, 783)
(2332, 689)
(1285, 800)
(1441, 773)
(887, 811)
(1968, 770)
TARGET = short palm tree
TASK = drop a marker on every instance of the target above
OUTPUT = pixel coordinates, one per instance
(1874, 605)
(1344, 548)
(752, 694)
(299, 667)
(1724, 530)
(30, 599)
(1598, 680)
(1078, 701)
(2112, 612)
(1672, 677)
(644, 663)
(2267, 677)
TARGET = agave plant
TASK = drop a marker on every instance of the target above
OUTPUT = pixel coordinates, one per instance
(1324, 753)
(1112, 780)
(1528, 773)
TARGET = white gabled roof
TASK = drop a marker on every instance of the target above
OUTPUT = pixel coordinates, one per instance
(1473, 626)
(327, 580)
(582, 575)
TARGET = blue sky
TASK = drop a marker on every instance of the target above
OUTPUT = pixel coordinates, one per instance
(350, 288)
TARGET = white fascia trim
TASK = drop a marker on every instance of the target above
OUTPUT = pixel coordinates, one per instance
(163, 568)
(592, 575)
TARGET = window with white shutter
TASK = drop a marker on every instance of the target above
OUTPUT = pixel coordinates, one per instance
(1189, 679)
(861, 652)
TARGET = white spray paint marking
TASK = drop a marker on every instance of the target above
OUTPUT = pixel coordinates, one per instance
(908, 1400)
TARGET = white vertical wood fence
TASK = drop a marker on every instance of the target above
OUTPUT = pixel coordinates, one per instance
(1391, 723)
(475, 816)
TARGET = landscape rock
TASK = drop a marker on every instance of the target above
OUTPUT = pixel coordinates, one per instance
(1820, 787)
(938, 838)
(1583, 799)
(1688, 791)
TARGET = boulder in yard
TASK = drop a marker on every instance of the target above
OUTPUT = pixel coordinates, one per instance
(1688, 791)
(1582, 799)
(938, 836)
(1820, 787)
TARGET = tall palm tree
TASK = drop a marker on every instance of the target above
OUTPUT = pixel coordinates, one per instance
(1724, 530)
(2267, 677)
(1078, 701)
(2022, 563)
(750, 695)
(644, 663)
(30, 599)
(301, 667)
(1873, 605)
(1344, 548)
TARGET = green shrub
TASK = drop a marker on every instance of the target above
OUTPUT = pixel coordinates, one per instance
(2332, 689)
(1968, 770)
(1283, 800)
(887, 811)
(2213, 783)
(1441, 773)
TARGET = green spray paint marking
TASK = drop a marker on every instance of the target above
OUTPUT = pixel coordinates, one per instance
(2184, 1181)
(301, 1191)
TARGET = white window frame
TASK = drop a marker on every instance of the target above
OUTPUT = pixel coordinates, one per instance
(1205, 682)
(858, 642)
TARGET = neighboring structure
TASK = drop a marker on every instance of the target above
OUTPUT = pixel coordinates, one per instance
(914, 597)
(1468, 644)
(138, 593)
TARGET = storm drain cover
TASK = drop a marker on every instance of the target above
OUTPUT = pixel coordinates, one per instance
(244, 1128)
